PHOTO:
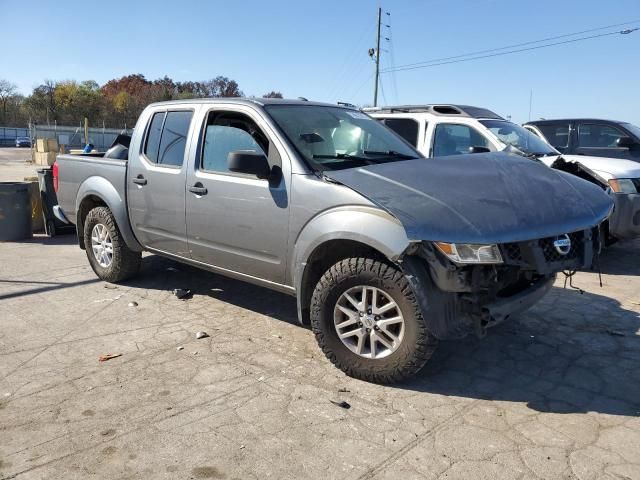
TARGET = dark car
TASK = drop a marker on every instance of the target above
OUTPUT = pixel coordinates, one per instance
(23, 142)
(590, 136)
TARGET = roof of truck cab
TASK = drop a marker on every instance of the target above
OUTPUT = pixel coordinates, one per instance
(248, 101)
(440, 109)
(555, 120)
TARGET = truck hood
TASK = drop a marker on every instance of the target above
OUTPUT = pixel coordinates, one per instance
(607, 168)
(481, 198)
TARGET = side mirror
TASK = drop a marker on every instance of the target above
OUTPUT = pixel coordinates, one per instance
(626, 142)
(477, 149)
(249, 162)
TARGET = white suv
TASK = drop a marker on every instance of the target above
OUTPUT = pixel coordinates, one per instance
(443, 130)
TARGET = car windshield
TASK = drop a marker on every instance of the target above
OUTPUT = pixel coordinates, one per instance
(335, 138)
(519, 137)
(633, 129)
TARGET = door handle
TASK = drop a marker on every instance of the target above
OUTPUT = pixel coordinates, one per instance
(198, 189)
(140, 180)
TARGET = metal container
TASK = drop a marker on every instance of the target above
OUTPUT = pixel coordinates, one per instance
(15, 211)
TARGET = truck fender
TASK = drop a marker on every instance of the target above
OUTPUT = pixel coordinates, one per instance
(369, 226)
(103, 189)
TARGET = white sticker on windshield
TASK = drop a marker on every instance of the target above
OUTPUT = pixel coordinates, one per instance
(358, 115)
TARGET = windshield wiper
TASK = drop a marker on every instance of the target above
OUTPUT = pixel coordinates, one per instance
(390, 153)
(344, 156)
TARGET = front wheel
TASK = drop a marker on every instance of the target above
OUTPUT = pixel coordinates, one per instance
(368, 323)
(110, 257)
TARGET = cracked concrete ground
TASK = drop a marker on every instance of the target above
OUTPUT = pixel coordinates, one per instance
(555, 393)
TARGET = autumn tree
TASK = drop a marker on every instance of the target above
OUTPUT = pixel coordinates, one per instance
(272, 94)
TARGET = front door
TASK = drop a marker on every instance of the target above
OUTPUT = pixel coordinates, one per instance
(600, 140)
(156, 183)
(235, 221)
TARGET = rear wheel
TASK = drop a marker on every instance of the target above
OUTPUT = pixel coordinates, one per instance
(367, 321)
(109, 256)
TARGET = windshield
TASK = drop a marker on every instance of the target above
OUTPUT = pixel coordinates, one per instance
(334, 138)
(519, 137)
(633, 129)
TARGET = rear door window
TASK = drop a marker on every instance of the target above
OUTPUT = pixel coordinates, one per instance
(407, 128)
(167, 137)
(557, 134)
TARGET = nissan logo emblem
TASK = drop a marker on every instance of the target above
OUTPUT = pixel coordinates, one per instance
(562, 244)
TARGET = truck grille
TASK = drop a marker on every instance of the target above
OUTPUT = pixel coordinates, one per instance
(543, 256)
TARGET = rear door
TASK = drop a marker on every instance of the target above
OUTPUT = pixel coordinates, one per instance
(156, 181)
(236, 221)
(600, 140)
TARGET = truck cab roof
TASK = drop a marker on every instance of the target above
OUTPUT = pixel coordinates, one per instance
(248, 101)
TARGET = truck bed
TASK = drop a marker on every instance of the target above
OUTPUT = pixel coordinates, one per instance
(85, 172)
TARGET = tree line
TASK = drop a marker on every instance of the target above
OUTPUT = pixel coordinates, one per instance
(115, 104)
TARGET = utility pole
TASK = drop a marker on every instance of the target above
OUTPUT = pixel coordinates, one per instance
(377, 79)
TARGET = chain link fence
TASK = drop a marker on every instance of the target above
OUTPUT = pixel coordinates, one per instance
(71, 137)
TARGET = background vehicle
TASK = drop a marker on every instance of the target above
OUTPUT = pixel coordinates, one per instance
(590, 136)
(325, 203)
(443, 130)
(23, 142)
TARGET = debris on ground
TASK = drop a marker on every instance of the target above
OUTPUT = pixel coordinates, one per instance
(110, 286)
(341, 404)
(182, 293)
(108, 356)
(200, 335)
(194, 353)
(277, 336)
(242, 447)
(180, 348)
(133, 304)
(343, 390)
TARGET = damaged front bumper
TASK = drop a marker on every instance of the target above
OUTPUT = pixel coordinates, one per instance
(624, 222)
(457, 300)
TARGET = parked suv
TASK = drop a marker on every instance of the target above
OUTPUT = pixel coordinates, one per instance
(445, 130)
(385, 251)
(590, 136)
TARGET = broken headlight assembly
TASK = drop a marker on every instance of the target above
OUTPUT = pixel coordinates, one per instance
(623, 185)
(469, 253)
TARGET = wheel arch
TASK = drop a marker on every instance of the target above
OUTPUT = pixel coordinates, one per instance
(337, 234)
(96, 192)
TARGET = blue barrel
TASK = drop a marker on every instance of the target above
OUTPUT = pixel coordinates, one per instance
(15, 211)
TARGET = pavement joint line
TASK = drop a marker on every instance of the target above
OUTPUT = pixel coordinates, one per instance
(47, 347)
(380, 467)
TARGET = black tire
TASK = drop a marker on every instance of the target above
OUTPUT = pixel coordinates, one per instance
(417, 345)
(125, 262)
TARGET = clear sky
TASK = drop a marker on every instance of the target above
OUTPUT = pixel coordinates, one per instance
(319, 49)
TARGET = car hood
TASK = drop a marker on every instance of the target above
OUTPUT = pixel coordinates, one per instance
(607, 168)
(480, 198)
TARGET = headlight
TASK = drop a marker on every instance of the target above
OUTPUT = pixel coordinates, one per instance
(622, 185)
(470, 253)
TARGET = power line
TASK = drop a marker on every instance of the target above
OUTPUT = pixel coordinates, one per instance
(459, 60)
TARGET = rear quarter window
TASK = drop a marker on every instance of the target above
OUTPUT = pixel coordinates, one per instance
(407, 128)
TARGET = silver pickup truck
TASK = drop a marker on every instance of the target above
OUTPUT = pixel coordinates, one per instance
(386, 251)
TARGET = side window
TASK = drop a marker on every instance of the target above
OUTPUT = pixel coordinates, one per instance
(591, 135)
(407, 128)
(456, 139)
(228, 132)
(167, 137)
(153, 137)
(557, 134)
